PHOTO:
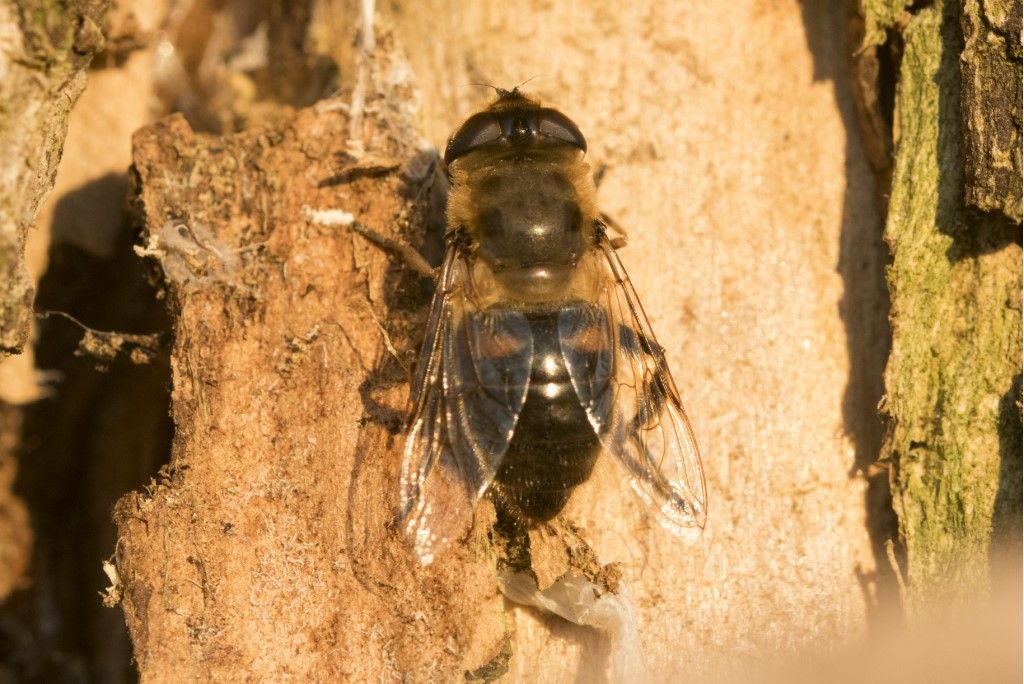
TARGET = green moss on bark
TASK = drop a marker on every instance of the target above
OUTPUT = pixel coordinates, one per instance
(956, 321)
(879, 16)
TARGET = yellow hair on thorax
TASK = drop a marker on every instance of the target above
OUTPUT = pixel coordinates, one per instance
(469, 173)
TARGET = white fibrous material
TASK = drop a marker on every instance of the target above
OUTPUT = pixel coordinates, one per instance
(329, 217)
(580, 601)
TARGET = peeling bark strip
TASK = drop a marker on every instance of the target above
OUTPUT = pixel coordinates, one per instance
(990, 101)
(267, 547)
(956, 315)
(45, 49)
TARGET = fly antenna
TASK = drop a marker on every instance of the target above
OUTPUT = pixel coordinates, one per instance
(502, 92)
(497, 91)
(516, 89)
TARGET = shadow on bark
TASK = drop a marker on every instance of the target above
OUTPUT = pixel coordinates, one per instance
(865, 304)
(103, 430)
(406, 297)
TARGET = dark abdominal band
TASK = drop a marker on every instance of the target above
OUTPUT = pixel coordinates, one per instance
(554, 447)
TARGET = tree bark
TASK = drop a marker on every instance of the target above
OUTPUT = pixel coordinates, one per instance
(953, 378)
(15, 529)
(267, 546)
(44, 51)
(286, 401)
(990, 105)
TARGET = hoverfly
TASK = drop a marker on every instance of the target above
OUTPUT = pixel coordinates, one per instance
(538, 355)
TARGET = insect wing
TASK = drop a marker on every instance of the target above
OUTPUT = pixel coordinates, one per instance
(619, 372)
(467, 396)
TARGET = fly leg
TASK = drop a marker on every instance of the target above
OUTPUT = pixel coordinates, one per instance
(432, 190)
(406, 253)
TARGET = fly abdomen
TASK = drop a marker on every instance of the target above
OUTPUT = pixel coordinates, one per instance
(554, 447)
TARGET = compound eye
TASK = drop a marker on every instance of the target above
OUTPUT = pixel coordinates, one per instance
(480, 129)
(554, 124)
